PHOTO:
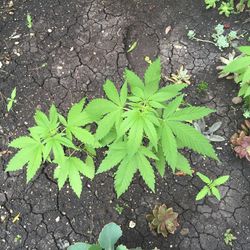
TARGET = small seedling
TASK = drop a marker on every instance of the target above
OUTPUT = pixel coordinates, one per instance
(211, 186)
(18, 238)
(119, 209)
(11, 100)
(226, 9)
(29, 21)
(229, 237)
(202, 87)
(132, 47)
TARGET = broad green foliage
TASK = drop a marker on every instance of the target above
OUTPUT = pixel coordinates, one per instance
(147, 126)
(142, 125)
(240, 68)
(107, 240)
(211, 186)
(55, 139)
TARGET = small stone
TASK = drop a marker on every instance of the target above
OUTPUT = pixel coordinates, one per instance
(132, 224)
(58, 219)
(184, 231)
(237, 100)
(1, 65)
(49, 30)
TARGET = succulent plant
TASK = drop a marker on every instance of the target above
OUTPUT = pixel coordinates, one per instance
(163, 220)
(240, 141)
(181, 76)
(207, 131)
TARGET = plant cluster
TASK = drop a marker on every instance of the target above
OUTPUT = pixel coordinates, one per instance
(180, 77)
(240, 70)
(240, 141)
(211, 186)
(229, 237)
(142, 126)
(227, 7)
(221, 39)
(11, 100)
(107, 240)
(163, 220)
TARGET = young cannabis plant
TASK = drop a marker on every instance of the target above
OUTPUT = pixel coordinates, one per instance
(146, 125)
(53, 139)
(211, 186)
(107, 240)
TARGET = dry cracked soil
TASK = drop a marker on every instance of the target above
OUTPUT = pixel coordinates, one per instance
(71, 49)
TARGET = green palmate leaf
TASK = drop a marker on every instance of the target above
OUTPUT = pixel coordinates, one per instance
(172, 106)
(124, 175)
(221, 180)
(109, 235)
(245, 50)
(216, 193)
(19, 160)
(191, 138)
(124, 94)
(30, 153)
(237, 64)
(22, 142)
(150, 131)
(89, 169)
(169, 146)
(35, 160)
(82, 135)
(161, 162)
(134, 81)
(111, 92)
(204, 178)
(246, 76)
(135, 136)
(152, 77)
(203, 192)
(183, 164)
(146, 171)
(106, 124)
(116, 153)
(70, 169)
(76, 116)
(97, 108)
(190, 113)
(167, 93)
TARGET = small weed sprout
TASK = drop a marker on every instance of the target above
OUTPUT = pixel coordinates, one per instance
(29, 21)
(11, 100)
(229, 237)
(211, 186)
(202, 87)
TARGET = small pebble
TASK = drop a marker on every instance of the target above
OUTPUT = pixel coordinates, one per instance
(132, 224)
(237, 100)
